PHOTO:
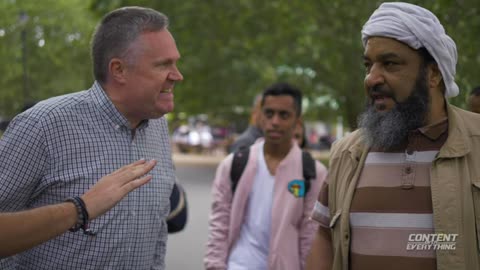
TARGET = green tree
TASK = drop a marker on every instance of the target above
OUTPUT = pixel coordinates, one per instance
(231, 50)
(57, 34)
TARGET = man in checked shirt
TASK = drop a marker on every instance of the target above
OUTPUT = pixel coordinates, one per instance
(63, 145)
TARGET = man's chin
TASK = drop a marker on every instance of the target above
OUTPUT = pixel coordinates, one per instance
(166, 109)
(158, 115)
(280, 142)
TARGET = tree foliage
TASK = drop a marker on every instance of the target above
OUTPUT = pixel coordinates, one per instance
(232, 50)
(57, 34)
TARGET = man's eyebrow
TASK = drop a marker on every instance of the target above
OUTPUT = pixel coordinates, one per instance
(162, 62)
(276, 111)
(388, 56)
(166, 61)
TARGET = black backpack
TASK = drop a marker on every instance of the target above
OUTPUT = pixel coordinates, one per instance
(240, 159)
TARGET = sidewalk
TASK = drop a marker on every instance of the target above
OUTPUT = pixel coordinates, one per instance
(214, 160)
(197, 159)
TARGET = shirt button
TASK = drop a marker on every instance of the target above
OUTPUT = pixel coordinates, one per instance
(117, 127)
(408, 170)
(132, 213)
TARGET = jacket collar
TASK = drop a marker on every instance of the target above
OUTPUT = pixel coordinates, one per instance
(357, 149)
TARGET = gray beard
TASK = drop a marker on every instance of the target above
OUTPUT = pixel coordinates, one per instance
(389, 130)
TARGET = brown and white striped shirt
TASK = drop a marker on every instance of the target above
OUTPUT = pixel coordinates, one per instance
(392, 200)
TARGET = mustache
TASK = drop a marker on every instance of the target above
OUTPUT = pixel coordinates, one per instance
(380, 90)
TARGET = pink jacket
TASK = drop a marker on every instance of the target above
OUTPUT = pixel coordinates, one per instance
(292, 231)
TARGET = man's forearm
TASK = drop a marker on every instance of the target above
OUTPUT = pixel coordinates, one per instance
(23, 230)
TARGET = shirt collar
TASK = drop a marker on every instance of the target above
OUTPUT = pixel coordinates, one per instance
(106, 107)
(435, 130)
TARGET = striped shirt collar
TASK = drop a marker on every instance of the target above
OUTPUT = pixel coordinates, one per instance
(435, 130)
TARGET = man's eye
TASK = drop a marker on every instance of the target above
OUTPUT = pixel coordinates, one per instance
(164, 64)
(284, 115)
(268, 114)
(367, 66)
(389, 63)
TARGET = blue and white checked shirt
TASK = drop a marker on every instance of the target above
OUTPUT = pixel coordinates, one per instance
(59, 149)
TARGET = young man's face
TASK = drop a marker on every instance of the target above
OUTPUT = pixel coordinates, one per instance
(279, 119)
(392, 69)
(152, 75)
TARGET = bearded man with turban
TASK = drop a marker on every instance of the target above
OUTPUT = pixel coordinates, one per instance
(403, 191)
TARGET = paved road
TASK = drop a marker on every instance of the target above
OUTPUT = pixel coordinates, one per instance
(186, 249)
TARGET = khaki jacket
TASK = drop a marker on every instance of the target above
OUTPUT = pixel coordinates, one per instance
(455, 187)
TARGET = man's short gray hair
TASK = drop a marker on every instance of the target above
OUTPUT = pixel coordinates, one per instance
(117, 31)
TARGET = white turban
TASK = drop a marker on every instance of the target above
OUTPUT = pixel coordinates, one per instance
(417, 27)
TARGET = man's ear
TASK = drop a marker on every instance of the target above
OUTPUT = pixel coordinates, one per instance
(117, 69)
(435, 79)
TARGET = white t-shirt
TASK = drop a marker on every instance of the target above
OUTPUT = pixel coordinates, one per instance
(252, 247)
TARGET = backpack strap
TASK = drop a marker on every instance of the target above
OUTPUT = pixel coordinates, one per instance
(309, 171)
(240, 159)
(239, 162)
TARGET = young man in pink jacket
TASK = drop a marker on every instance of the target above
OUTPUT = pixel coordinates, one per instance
(263, 222)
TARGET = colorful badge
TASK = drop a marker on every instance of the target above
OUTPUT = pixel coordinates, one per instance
(297, 188)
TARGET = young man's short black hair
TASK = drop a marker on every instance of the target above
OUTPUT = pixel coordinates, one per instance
(284, 89)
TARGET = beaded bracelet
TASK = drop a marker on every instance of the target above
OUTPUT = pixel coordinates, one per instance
(83, 217)
(85, 228)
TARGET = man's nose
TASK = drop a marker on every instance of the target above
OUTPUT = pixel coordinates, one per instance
(176, 75)
(276, 119)
(374, 77)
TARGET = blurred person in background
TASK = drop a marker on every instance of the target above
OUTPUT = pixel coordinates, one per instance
(263, 195)
(300, 136)
(254, 130)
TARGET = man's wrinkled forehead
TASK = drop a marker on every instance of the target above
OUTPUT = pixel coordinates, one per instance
(386, 47)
